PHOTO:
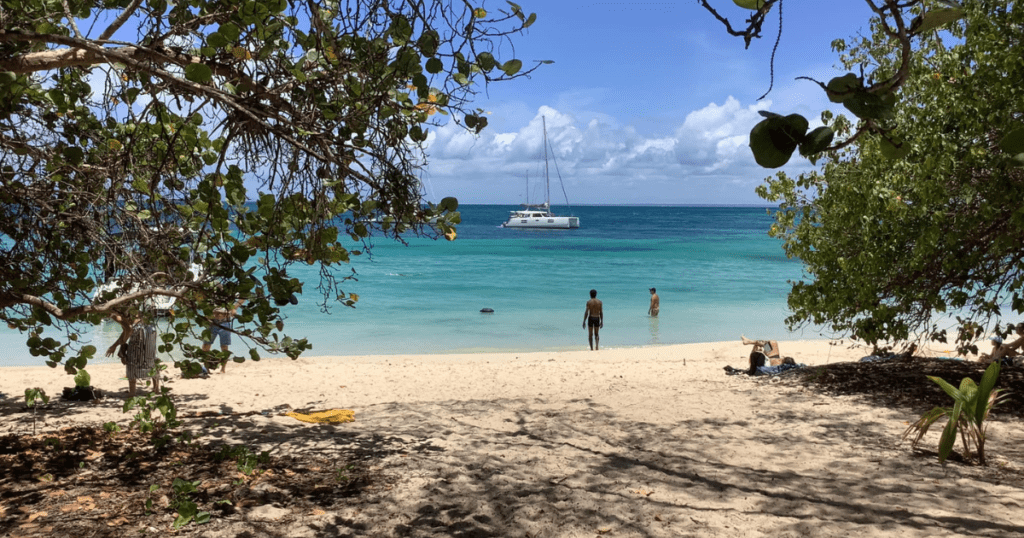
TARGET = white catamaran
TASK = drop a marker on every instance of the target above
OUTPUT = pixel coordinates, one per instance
(540, 215)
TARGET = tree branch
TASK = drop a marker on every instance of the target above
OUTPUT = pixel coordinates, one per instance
(120, 20)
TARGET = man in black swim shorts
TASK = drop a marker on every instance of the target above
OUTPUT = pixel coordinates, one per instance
(593, 320)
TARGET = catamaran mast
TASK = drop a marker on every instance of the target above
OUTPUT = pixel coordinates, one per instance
(547, 177)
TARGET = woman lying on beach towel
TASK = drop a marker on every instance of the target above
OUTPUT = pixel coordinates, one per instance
(759, 365)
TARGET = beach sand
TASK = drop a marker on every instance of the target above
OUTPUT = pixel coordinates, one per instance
(644, 442)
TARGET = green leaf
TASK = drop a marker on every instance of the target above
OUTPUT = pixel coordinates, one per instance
(448, 204)
(841, 88)
(775, 138)
(74, 155)
(230, 31)
(428, 42)
(988, 382)
(512, 67)
(460, 78)
(400, 30)
(486, 61)
(934, 19)
(893, 149)
(217, 40)
(181, 521)
(816, 141)
(434, 66)
(749, 4)
(949, 433)
(870, 106)
(199, 73)
(950, 389)
(530, 20)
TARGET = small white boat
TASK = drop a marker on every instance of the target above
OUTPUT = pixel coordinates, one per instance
(540, 216)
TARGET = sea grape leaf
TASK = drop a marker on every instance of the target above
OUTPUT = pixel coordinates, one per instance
(448, 203)
(512, 67)
(774, 139)
(217, 40)
(870, 106)
(230, 31)
(486, 61)
(749, 4)
(894, 149)
(199, 73)
(816, 141)
(841, 88)
(934, 19)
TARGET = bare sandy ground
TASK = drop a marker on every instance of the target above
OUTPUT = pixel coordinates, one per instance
(645, 442)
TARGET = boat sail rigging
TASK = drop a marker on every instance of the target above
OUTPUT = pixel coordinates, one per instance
(540, 215)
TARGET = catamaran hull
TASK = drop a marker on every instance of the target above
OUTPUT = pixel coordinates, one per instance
(543, 222)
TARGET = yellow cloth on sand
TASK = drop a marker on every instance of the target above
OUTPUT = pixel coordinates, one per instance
(331, 416)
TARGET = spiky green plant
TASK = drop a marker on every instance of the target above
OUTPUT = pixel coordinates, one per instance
(971, 405)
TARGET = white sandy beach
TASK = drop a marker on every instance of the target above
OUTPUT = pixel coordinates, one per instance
(643, 442)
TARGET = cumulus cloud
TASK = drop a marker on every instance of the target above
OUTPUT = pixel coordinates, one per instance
(703, 159)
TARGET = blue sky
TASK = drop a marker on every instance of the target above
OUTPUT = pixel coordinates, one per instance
(646, 102)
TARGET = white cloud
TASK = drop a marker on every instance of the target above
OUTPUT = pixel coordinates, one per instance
(703, 159)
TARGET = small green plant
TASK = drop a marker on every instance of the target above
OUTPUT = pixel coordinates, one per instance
(32, 397)
(971, 406)
(149, 498)
(145, 420)
(247, 460)
(83, 379)
(111, 427)
(184, 505)
(341, 473)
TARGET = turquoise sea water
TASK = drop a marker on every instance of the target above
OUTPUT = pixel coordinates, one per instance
(717, 272)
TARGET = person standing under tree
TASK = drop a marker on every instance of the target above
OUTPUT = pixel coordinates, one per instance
(138, 355)
(221, 329)
(593, 320)
(655, 304)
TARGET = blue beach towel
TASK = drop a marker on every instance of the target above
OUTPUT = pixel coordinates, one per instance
(776, 370)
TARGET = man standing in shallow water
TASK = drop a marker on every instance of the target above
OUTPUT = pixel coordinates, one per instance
(655, 304)
(593, 320)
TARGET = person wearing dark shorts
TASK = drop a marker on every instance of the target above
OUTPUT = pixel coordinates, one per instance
(593, 320)
(220, 329)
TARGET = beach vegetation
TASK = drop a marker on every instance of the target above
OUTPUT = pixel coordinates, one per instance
(34, 397)
(926, 246)
(198, 150)
(247, 461)
(83, 379)
(183, 503)
(155, 415)
(972, 403)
